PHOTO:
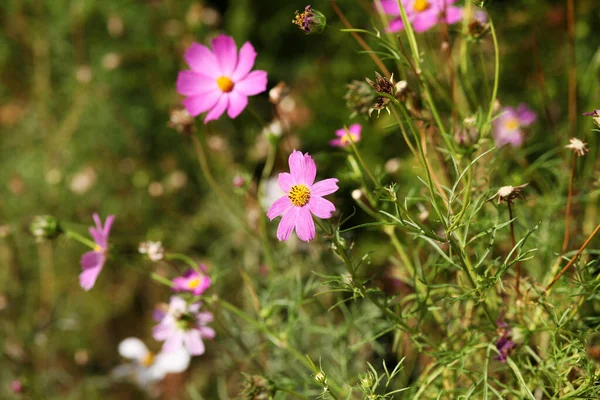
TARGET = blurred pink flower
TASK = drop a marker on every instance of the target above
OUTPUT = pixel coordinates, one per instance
(302, 197)
(422, 14)
(184, 326)
(93, 261)
(343, 136)
(220, 79)
(507, 127)
(192, 281)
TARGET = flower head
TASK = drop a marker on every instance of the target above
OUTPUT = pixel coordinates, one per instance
(195, 282)
(504, 343)
(359, 97)
(346, 135)
(302, 198)
(154, 250)
(508, 194)
(147, 367)
(220, 79)
(382, 85)
(595, 116)
(93, 261)
(578, 146)
(310, 21)
(181, 120)
(184, 325)
(507, 127)
(45, 227)
(422, 14)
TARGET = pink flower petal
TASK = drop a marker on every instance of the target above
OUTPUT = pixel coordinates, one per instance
(162, 331)
(108, 225)
(454, 15)
(395, 25)
(92, 263)
(97, 221)
(305, 226)
(190, 83)
(245, 62)
(335, 143)
(285, 181)
(287, 223)
(254, 83)
(217, 110)
(310, 170)
(340, 132)
(356, 129)
(296, 163)
(98, 237)
(237, 103)
(196, 105)
(425, 20)
(526, 116)
(280, 206)
(173, 342)
(204, 318)
(324, 187)
(321, 207)
(193, 342)
(226, 52)
(389, 7)
(206, 332)
(202, 61)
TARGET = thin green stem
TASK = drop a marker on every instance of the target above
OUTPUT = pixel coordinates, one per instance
(184, 258)
(80, 238)
(496, 79)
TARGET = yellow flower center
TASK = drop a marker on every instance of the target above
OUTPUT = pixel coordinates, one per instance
(421, 5)
(512, 124)
(149, 359)
(299, 195)
(225, 84)
(348, 138)
(194, 283)
(97, 249)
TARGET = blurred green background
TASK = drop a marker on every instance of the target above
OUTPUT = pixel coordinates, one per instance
(85, 93)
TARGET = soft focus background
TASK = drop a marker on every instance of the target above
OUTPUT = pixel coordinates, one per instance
(86, 88)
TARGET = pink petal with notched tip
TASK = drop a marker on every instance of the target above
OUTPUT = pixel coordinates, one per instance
(280, 206)
(287, 223)
(285, 181)
(203, 61)
(305, 226)
(324, 187)
(245, 62)
(237, 103)
(226, 53)
(254, 83)
(190, 83)
(218, 109)
(196, 105)
(321, 207)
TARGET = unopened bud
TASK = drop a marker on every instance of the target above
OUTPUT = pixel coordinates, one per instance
(45, 227)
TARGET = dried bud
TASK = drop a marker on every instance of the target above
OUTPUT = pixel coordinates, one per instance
(507, 194)
(359, 97)
(468, 135)
(154, 250)
(310, 21)
(382, 85)
(279, 92)
(45, 227)
(577, 146)
(257, 387)
(181, 120)
(595, 116)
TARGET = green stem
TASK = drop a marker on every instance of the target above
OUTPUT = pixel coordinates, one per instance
(184, 258)
(496, 79)
(80, 238)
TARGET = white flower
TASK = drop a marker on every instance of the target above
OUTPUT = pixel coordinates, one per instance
(154, 250)
(577, 146)
(146, 367)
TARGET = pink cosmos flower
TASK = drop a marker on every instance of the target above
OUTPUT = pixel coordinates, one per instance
(93, 261)
(302, 197)
(343, 136)
(184, 326)
(422, 14)
(192, 281)
(220, 79)
(507, 127)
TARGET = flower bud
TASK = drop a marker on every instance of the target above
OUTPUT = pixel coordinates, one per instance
(45, 227)
(310, 21)
(321, 378)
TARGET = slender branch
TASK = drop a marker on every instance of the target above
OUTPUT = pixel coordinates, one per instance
(360, 40)
(514, 243)
(572, 260)
(572, 68)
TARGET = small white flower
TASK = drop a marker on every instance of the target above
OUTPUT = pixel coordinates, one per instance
(154, 250)
(146, 367)
(577, 146)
